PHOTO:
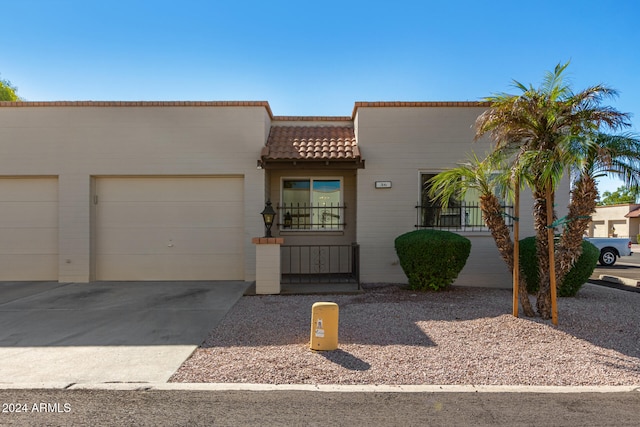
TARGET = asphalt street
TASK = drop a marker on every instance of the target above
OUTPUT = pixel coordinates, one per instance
(285, 408)
(626, 270)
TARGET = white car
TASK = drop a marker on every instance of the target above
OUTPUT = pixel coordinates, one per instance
(611, 248)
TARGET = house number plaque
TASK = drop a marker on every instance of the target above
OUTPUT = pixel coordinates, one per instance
(383, 184)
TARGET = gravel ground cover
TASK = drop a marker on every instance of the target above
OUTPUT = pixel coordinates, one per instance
(390, 335)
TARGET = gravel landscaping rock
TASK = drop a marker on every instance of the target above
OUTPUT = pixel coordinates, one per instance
(390, 335)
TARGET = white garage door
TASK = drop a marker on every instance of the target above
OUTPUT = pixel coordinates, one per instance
(29, 229)
(169, 228)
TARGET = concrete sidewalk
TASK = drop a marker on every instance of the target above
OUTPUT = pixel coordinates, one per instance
(325, 388)
(107, 331)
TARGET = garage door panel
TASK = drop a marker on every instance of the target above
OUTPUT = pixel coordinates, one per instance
(169, 267)
(170, 228)
(28, 214)
(28, 267)
(36, 241)
(138, 214)
(159, 189)
(29, 228)
(171, 240)
(29, 190)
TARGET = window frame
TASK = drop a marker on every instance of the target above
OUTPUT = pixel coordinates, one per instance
(463, 205)
(312, 226)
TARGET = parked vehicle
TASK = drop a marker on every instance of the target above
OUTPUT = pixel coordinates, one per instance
(611, 248)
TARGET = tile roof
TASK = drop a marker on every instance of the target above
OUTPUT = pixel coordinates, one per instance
(311, 143)
(263, 104)
(633, 214)
(421, 104)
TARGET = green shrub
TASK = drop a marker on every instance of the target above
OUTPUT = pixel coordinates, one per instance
(575, 278)
(432, 259)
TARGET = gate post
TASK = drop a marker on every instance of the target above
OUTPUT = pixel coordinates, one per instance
(267, 264)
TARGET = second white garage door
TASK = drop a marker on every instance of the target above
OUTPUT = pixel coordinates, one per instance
(29, 228)
(169, 228)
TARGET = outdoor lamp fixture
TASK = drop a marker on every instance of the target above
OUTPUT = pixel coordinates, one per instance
(268, 214)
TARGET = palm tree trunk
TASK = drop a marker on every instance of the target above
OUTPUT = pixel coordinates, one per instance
(492, 211)
(552, 264)
(516, 247)
(543, 301)
(583, 204)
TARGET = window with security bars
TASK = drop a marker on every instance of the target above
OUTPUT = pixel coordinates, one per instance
(311, 204)
(461, 213)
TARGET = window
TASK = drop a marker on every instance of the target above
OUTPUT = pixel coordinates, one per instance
(311, 204)
(460, 214)
(433, 214)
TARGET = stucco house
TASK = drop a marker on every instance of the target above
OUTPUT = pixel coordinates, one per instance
(93, 191)
(616, 221)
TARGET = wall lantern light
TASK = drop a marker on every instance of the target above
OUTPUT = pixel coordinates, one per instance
(268, 214)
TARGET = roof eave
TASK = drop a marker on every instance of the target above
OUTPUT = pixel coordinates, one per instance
(351, 163)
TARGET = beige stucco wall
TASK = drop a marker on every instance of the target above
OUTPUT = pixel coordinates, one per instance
(611, 219)
(398, 143)
(78, 142)
(75, 143)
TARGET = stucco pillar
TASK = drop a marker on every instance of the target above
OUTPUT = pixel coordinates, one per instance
(267, 264)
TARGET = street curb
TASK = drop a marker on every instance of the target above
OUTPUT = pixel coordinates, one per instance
(613, 285)
(327, 388)
(621, 280)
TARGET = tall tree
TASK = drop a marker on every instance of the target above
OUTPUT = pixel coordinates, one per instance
(550, 128)
(621, 195)
(8, 91)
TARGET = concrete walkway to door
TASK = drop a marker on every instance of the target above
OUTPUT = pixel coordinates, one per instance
(106, 331)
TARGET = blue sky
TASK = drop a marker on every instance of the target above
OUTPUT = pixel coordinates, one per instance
(315, 58)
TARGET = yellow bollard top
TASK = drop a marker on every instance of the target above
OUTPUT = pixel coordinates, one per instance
(324, 304)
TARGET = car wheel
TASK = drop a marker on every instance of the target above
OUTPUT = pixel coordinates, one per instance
(607, 257)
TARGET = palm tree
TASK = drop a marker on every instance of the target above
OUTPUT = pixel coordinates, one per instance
(480, 176)
(549, 127)
(614, 155)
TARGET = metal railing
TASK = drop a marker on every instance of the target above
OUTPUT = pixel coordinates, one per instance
(320, 263)
(299, 216)
(467, 217)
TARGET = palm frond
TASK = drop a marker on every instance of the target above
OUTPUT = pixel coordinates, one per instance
(616, 156)
(454, 183)
(553, 86)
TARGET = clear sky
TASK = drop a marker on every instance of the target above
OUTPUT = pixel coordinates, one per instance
(315, 57)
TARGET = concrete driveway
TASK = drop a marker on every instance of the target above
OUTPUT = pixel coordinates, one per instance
(106, 331)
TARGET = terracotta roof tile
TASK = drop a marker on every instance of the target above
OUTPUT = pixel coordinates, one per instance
(421, 104)
(633, 214)
(264, 104)
(311, 143)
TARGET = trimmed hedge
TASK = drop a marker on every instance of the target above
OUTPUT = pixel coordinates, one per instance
(432, 259)
(574, 280)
